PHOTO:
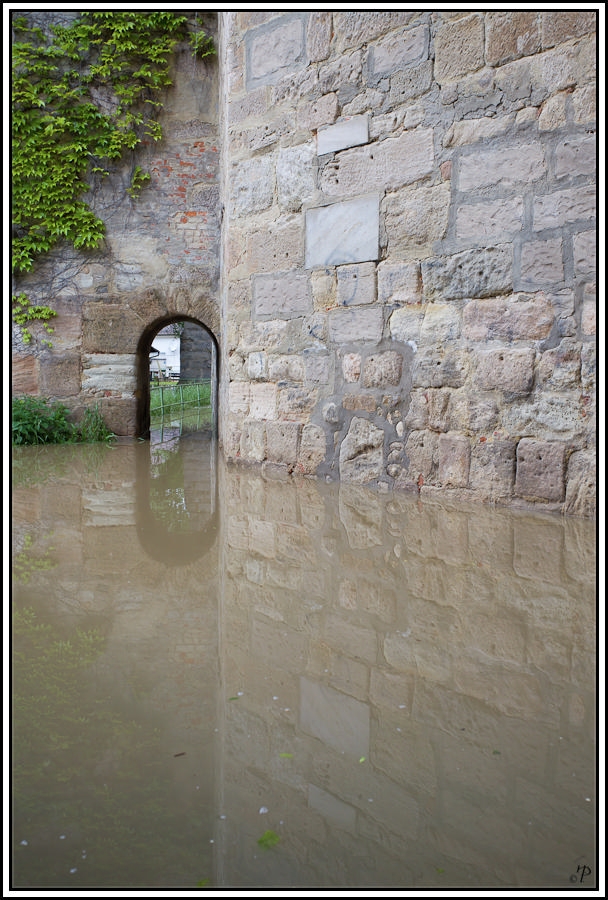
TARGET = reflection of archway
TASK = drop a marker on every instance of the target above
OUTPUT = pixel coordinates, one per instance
(182, 545)
(144, 348)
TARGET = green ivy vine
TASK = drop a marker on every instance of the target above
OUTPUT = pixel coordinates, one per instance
(83, 96)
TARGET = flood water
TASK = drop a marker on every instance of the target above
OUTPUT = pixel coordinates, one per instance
(223, 678)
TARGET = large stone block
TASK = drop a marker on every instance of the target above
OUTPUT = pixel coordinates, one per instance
(109, 328)
(25, 374)
(60, 376)
(496, 220)
(542, 264)
(253, 442)
(398, 50)
(382, 166)
(282, 442)
(415, 219)
(584, 251)
(350, 131)
(365, 323)
(511, 34)
(441, 323)
(252, 185)
(312, 449)
(581, 489)
(422, 451)
(296, 176)
(454, 460)
(346, 232)
(399, 283)
(576, 155)
(512, 318)
(312, 114)
(560, 25)
(492, 468)
(382, 369)
(275, 49)
(504, 166)
(510, 371)
(459, 48)
(282, 295)
(540, 470)
(278, 247)
(472, 131)
(361, 452)
(318, 35)
(120, 415)
(356, 284)
(472, 273)
(407, 84)
(440, 367)
(352, 28)
(263, 400)
(564, 207)
(113, 372)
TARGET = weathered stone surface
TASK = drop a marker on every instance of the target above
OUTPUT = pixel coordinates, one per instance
(422, 451)
(516, 317)
(103, 372)
(361, 452)
(297, 403)
(295, 176)
(454, 460)
(563, 25)
(492, 469)
(312, 449)
(399, 283)
(61, 376)
(553, 112)
(286, 368)
(470, 131)
(108, 328)
(415, 219)
(312, 114)
(257, 365)
(556, 415)
(474, 414)
(25, 375)
(507, 370)
(274, 50)
(356, 324)
(382, 369)
(575, 155)
(581, 486)
(505, 166)
(399, 51)
(584, 252)
(263, 401)
(406, 84)
(318, 35)
(351, 367)
(511, 34)
(359, 402)
(347, 132)
(282, 440)
(119, 415)
(441, 323)
(472, 273)
(239, 394)
(353, 28)
(279, 247)
(438, 400)
(253, 442)
(459, 48)
(564, 207)
(385, 165)
(496, 220)
(440, 367)
(540, 470)
(560, 367)
(542, 264)
(281, 295)
(346, 232)
(252, 185)
(356, 284)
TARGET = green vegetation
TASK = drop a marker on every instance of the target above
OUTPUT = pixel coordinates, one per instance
(36, 420)
(84, 96)
(26, 563)
(269, 839)
(178, 397)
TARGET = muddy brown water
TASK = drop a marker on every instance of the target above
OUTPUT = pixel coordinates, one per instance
(225, 678)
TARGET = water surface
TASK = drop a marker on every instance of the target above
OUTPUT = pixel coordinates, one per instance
(229, 679)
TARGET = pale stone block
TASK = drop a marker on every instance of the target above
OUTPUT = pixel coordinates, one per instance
(323, 284)
(257, 365)
(399, 283)
(274, 50)
(422, 451)
(552, 71)
(346, 232)
(282, 440)
(238, 397)
(317, 368)
(588, 318)
(263, 400)
(491, 221)
(331, 809)
(399, 50)
(459, 48)
(441, 323)
(406, 84)
(253, 442)
(312, 449)
(454, 460)
(318, 35)
(584, 101)
(514, 79)
(296, 404)
(295, 176)
(560, 368)
(513, 318)
(492, 468)
(542, 264)
(561, 25)
(472, 413)
(540, 470)
(347, 132)
(405, 324)
(383, 369)
(281, 295)
(385, 165)
(312, 114)
(361, 452)
(507, 167)
(356, 324)
(337, 720)
(353, 28)
(510, 371)
(584, 246)
(280, 246)
(440, 367)
(553, 113)
(252, 185)
(356, 284)
(286, 368)
(438, 409)
(109, 372)
(511, 34)
(415, 219)
(470, 131)
(471, 273)
(563, 207)
(351, 367)
(340, 73)
(581, 488)
(576, 155)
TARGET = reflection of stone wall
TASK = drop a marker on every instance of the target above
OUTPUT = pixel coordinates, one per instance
(410, 249)
(431, 673)
(196, 353)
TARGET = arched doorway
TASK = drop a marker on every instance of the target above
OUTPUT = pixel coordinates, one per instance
(187, 358)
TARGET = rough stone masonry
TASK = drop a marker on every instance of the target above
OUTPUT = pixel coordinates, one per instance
(387, 220)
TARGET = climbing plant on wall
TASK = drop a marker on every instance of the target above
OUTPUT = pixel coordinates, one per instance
(84, 94)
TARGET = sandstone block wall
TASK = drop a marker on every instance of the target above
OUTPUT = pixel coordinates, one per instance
(408, 272)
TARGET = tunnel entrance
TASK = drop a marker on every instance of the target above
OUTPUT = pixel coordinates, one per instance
(177, 374)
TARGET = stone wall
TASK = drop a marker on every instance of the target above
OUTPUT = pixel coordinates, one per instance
(408, 277)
